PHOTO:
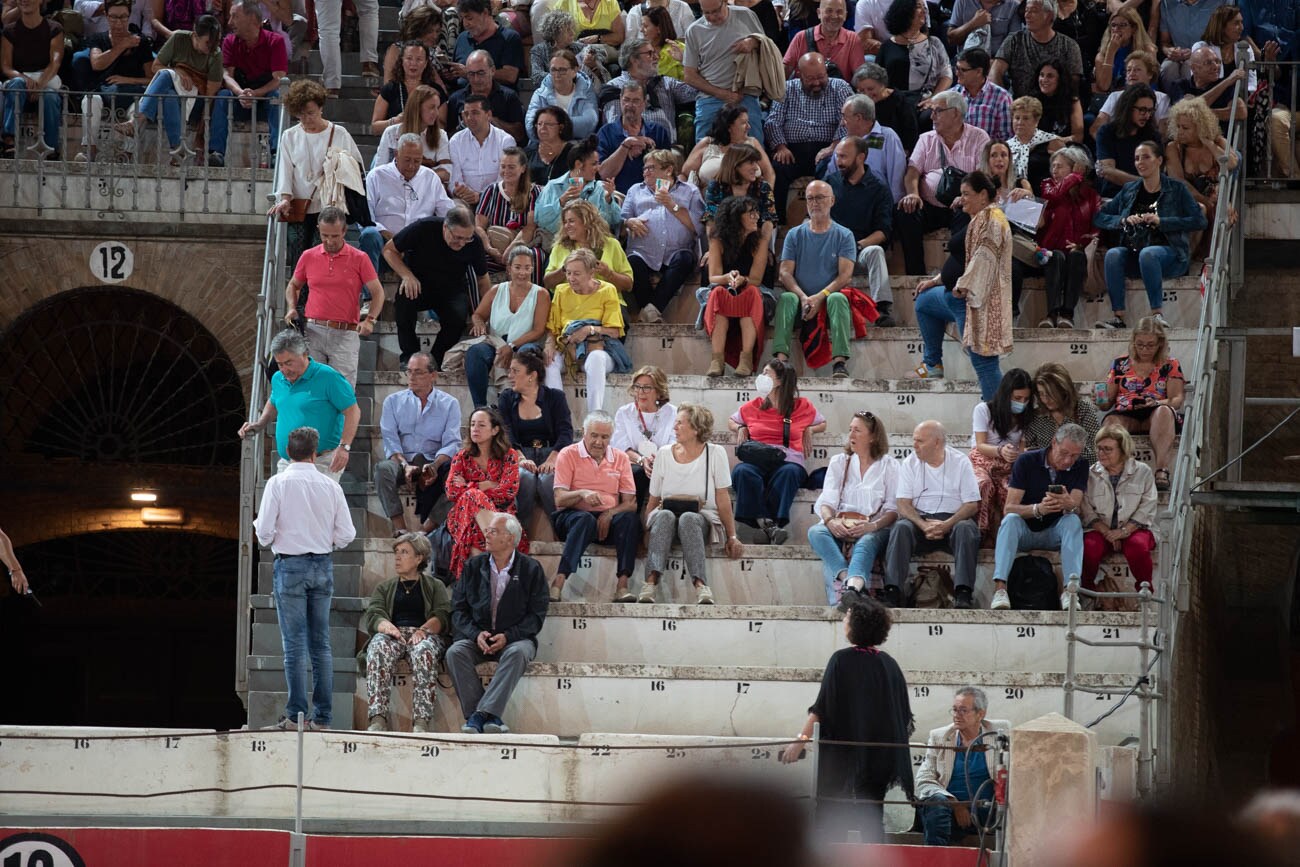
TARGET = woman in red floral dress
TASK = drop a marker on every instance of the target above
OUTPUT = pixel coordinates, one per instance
(484, 479)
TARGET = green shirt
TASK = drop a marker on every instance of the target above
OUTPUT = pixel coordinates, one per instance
(437, 603)
(316, 400)
(179, 50)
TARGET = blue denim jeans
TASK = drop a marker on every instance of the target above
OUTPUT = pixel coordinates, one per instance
(935, 308)
(1153, 264)
(220, 128)
(865, 551)
(371, 242)
(162, 90)
(304, 586)
(708, 106)
(1014, 536)
(478, 368)
(937, 820)
(770, 497)
(15, 97)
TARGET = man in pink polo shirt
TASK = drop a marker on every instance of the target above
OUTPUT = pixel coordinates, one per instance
(335, 273)
(830, 39)
(596, 499)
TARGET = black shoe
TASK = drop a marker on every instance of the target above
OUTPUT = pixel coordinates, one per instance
(840, 370)
(961, 598)
(216, 160)
(849, 597)
(885, 309)
(890, 597)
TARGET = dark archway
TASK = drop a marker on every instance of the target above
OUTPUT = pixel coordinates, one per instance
(104, 392)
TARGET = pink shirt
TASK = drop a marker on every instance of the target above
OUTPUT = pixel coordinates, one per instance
(335, 282)
(577, 470)
(965, 155)
(845, 51)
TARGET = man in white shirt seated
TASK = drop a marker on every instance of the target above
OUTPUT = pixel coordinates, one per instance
(303, 518)
(400, 193)
(938, 499)
(476, 151)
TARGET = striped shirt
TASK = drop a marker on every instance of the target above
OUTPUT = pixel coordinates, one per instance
(495, 205)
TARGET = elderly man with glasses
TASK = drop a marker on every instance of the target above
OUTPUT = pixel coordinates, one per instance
(401, 192)
(953, 776)
(663, 92)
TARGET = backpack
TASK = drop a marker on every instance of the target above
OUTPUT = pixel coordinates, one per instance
(440, 562)
(1032, 584)
(810, 44)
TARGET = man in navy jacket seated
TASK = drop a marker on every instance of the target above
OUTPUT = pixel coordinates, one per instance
(497, 608)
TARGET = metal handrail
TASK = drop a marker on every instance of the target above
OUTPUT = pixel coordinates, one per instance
(1175, 522)
(252, 455)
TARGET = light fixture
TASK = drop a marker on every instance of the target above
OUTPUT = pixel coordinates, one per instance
(144, 497)
(162, 516)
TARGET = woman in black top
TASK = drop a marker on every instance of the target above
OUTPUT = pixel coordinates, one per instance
(413, 69)
(1117, 141)
(1062, 111)
(739, 271)
(538, 421)
(548, 144)
(863, 698)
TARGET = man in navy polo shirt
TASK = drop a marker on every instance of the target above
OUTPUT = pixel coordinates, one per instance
(306, 393)
(483, 33)
(1037, 518)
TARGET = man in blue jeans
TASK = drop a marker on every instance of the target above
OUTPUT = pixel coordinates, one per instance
(188, 66)
(254, 61)
(304, 517)
(709, 64)
(1042, 511)
(956, 772)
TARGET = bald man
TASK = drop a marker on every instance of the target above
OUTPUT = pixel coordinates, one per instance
(816, 264)
(804, 123)
(938, 499)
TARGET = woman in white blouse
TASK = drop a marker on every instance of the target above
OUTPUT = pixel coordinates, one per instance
(644, 425)
(857, 508)
(690, 499)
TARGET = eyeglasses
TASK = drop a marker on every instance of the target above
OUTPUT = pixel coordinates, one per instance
(1140, 110)
(643, 388)
(963, 711)
(961, 68)
(411, 194)
(865, 415)
(817, 198)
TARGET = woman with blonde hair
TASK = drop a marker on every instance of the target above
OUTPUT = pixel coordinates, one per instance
(585, 327)
(1119, 509)
(583, 228)
(423, 109)
(644, 426)
(1125, 33)
(690, 499)
(1146, 389)
(1192, 156)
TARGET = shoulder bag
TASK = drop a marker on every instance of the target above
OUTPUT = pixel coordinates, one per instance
(297, 210)
(681, 505)
(950, 181)
(767, 458)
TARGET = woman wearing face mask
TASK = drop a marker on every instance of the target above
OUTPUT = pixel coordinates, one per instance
(997, 426)
(777, 417)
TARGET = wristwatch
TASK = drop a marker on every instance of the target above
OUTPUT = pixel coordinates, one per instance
(347, 447)
(676, 207)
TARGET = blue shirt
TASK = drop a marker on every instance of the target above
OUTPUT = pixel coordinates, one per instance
(504, 46)
(666, 234)
(315, 400)
(1031, 474)
(547, 211)
(816, 256)
(978, 769)
(1185, 22)
(410, 429)
(611, 135)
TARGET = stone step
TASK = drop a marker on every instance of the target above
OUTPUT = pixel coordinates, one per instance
(885, 354)
(347, 577)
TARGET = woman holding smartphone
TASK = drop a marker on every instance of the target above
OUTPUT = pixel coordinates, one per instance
(1146, 389)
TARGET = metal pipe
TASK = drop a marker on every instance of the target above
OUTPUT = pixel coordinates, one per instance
(1144, 704)
(1071, 621)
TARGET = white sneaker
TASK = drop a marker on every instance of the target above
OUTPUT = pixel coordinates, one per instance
(1001, 601)
(650, 314)
(1065, 601)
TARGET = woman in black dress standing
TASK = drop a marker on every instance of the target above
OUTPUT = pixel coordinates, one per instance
(863, 698)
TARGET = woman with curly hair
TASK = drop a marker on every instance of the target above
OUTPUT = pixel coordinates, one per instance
(1062, 111)
(582, 227)
(863, 699)
(483, 480)
(737, 298)
(424, 24)
(1192, 156)
(730, 128)
(557, 30)
(916, 61)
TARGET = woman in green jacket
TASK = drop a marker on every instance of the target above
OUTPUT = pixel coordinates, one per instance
(408, 616)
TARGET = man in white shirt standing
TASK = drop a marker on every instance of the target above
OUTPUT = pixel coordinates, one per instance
(476, 151)
(400, 193)
(303, 518)
(938, 499)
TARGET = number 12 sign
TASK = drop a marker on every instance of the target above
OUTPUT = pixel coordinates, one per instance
(112, 262)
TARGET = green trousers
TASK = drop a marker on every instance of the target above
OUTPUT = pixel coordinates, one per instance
(789, 314)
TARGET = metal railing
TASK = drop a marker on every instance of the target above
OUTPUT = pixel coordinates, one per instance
(102, 156)
(252, 455)
(1175, 524)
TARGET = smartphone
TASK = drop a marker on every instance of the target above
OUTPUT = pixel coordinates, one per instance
(1056, 489)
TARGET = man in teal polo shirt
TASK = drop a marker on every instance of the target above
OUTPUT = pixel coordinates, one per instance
(306, 393)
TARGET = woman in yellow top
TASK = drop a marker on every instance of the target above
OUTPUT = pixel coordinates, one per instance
(585, 327)
(658, 29)
(582, 227)
(600, 22)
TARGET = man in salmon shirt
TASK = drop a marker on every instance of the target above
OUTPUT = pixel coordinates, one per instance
(596, 500)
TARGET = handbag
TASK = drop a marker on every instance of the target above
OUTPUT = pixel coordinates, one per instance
(767, 458)
(297, 210)
(949, 181)
(682, 505)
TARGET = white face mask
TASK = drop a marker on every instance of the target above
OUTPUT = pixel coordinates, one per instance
(1018, 406)
(763, 385)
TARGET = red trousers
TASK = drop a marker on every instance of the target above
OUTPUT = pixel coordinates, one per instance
(1136, 549)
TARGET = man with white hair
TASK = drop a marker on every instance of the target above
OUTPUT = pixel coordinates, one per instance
(885, 155)
(952, 775)
(1042, 512)
(497, 610)
(952, 142)
(938, 499)
(1021, 53)
(595, 499)
(401, 192)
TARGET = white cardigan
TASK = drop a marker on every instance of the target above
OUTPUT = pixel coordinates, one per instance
(302, 160)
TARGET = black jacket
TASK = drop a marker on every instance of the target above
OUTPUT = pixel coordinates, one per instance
(522, 607)
(555, 414)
